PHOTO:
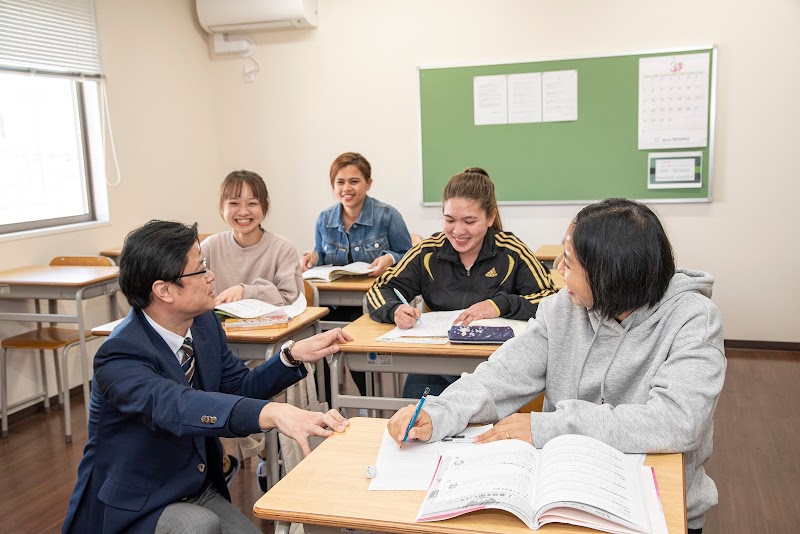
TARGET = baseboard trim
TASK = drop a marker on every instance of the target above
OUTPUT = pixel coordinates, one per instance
(762, 345)
(37, 408)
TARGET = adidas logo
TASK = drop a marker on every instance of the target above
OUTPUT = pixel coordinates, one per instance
(492, 273)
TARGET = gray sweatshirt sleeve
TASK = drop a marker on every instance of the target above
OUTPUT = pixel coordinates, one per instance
(513, 375)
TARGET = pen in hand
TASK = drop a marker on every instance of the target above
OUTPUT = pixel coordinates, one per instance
(404, 301)
(416, 414)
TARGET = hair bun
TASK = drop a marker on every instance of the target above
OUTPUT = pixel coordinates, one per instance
(476, 170)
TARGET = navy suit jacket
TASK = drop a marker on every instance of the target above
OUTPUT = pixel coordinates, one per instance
(153, 439)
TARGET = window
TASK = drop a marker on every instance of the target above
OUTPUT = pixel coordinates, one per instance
(51, 154)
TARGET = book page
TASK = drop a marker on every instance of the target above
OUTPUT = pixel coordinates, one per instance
(500, 475)
(248, 308)
(413, 466)
(329, 273)
(593, 477)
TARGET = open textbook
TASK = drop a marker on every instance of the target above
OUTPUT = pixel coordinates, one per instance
(253, 313)
(574, 479)
(329, 273)
(436, 325)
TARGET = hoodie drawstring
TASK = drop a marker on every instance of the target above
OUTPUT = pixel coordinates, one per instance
(585, 359)
(616, 350)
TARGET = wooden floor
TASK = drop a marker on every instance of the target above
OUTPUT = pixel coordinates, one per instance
(756, 461)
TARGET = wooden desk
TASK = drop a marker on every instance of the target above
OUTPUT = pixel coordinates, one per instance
(55, 283)
(549, 253)
(366, 354)
(259, 344)
(314, 493)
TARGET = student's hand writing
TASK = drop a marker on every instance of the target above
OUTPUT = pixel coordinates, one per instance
(309, 260)
(299, 424)
(406, 316)
(422, 429)
(317, 347)
(517, 426)
(480, 310)
(232, 294)
(382, 263)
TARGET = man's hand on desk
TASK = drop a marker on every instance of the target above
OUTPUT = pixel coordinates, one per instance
(317, 347)
(422, 429)
(300, 424)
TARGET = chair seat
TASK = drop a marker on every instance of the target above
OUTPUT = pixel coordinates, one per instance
(45, 338)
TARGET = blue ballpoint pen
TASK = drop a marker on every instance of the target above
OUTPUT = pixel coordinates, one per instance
(416, 413)
(404, 301)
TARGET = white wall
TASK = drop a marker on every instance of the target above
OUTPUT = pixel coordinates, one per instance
(183, 119)
(351, 85)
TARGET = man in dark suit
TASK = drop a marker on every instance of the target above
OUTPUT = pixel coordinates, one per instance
(166, 387)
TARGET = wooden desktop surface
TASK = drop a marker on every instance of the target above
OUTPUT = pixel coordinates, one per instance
(329, 488)
(548, 252)
(58, 275)
(364, 332)
(256, 335)
(347, 283)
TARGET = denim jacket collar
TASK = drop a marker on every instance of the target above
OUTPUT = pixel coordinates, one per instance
(365, 218)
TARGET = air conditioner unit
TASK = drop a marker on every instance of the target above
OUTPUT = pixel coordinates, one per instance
(235, 16)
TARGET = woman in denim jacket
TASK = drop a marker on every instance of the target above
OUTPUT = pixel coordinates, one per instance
(359, 227)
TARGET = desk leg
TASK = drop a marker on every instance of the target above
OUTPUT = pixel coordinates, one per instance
(281, 527)
(273, 461)
(335, 364)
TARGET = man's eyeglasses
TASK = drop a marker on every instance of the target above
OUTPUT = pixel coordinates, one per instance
(203, 272)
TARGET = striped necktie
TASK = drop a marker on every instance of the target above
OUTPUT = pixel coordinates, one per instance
(187, 362)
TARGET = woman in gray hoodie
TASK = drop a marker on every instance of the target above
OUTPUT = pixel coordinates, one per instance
(630, 352)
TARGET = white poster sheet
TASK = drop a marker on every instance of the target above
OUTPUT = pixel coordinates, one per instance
(490, 99)
(560, 96)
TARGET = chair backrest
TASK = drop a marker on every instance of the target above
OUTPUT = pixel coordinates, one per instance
(311, 292)
(415, 238)
(83, 261)
(535, 405)
(202, 237)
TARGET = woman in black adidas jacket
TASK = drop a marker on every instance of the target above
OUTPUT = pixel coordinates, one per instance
(472, 265)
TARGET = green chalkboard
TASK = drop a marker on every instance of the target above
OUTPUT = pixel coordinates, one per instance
(592, 158)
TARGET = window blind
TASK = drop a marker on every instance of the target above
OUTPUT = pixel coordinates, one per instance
(51, 36)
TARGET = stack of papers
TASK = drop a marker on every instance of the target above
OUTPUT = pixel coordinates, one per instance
(329, 273)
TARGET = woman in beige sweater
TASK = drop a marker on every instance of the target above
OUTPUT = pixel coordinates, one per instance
(248, 261)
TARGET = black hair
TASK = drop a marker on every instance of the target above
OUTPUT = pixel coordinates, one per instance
(626, 255)
(155, 251)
